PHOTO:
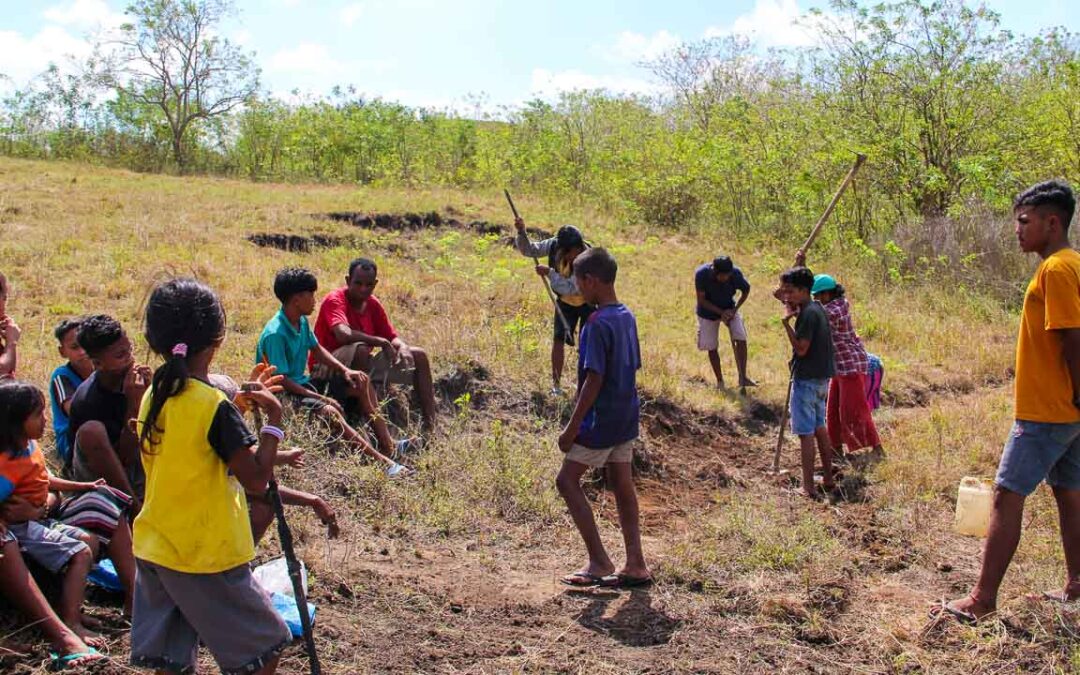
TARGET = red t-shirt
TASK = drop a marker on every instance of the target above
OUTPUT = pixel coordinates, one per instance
(335, 309)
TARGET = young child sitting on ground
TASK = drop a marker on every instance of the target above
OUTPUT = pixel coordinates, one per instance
(193, 541)
(812, 366)
(603, 428)
(25, 482)
(65, 380)
(102, 441)
(18, 587)
(286, 343)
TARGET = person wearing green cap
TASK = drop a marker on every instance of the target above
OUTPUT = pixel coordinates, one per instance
(848, 417)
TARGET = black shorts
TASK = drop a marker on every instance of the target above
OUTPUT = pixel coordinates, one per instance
(575, 316)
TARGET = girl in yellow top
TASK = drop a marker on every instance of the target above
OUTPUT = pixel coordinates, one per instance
(192, 539)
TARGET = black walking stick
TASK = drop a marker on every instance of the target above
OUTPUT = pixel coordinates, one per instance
(547, 286)
(295, 573)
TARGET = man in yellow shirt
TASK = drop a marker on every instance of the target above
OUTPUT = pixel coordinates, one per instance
(1045, 439)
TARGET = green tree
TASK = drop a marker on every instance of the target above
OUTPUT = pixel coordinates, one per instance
(170, 56)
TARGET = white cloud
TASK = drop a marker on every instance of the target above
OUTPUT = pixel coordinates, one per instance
(351, 13)
(631, 47)
(548, 84)
(84, 14)
(242, 37)
(306, 57)
(771, 23)
(22, 58)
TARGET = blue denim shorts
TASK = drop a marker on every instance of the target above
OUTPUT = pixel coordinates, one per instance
(1038, 451)
(808, 399)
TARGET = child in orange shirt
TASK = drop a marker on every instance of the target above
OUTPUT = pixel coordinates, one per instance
(24, 489)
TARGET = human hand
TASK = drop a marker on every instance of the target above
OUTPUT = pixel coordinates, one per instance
(519, 223)
(136, 382)
(356, 378)
(267, 375)
(293, 457)
(566, 439)
(99, 483)
(542, 270)
(326, 514)
(727, 315)
(19, 510)
(10, 330)
(800, 258)
(265, 401)
(405, 356)
(790, 312)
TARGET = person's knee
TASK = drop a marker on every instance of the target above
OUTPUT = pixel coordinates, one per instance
(566, 483)
(420, 356)
(1004, 498)
(84, 557)
(93, 438)
(361, 358)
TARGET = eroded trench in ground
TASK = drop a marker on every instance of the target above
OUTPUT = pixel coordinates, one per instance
(390, 222)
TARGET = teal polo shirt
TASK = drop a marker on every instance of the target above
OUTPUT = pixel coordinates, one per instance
(287, 347)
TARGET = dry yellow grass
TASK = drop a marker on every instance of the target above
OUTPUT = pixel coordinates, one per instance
(454, 571)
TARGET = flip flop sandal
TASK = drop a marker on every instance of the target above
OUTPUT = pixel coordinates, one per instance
(961, 615)
(64, 662)
(1059, 597)
(625, 581)
(582, 580)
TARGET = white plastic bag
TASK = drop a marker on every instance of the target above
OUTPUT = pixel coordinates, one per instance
(274, 577)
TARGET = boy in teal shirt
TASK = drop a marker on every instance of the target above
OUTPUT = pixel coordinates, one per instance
(285, 343)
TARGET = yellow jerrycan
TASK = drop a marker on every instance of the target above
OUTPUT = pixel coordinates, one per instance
(974, 501)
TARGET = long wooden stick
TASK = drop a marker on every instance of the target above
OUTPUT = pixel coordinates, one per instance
(783, 424)
(285, 538)
(551, 294)
(859, 159)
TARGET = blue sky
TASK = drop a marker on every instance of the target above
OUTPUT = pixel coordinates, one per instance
(451, 52)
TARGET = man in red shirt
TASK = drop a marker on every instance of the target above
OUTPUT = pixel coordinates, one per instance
(352, 324)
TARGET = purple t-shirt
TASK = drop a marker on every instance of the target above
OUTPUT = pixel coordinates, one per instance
(609, 346)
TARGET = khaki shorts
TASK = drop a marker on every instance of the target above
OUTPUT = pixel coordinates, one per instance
(708, 332)
(623, 453)
(381, 370)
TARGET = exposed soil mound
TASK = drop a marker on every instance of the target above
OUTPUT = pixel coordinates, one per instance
(409, 222)
(466, 379)
(663, 417)
(294, 242)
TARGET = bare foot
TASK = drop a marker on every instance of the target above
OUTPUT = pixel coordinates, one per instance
(965, 610)
(88, 636)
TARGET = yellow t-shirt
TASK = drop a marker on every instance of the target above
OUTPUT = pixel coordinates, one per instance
(1044, 389)
(195, 516)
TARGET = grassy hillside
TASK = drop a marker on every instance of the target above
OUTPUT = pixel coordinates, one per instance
(456, 570)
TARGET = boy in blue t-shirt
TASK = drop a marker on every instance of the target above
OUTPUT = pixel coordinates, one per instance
(715, 286)
(604, 426)
(65, 380)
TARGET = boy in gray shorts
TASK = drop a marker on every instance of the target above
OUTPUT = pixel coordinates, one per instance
(603, 429)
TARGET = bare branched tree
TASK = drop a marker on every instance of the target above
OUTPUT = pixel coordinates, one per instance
(170, 56)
